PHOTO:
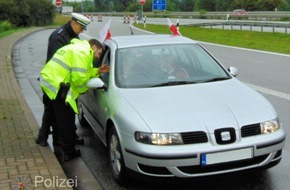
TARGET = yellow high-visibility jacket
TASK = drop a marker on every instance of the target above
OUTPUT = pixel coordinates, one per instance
(73, 65)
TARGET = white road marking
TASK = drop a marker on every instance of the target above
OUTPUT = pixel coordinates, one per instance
(269, 91)
(259, 51)
(145, 31)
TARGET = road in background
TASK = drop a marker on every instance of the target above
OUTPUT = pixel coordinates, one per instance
(266, 72)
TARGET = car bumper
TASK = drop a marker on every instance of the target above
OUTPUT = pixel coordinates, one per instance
(200, 160)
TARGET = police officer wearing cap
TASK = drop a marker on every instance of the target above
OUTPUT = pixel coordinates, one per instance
(59, 38)
(63, 79)
(63, 35)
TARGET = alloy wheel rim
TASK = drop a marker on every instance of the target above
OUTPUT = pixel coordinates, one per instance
(115, 154)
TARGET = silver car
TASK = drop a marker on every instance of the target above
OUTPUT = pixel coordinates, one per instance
(168, 108)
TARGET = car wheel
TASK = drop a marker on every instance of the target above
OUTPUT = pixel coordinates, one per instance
(116, 157)
(82, 119)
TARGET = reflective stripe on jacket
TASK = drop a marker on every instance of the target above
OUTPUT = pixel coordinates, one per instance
(71, 64)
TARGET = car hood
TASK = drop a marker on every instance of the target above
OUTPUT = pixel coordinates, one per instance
(194, 107)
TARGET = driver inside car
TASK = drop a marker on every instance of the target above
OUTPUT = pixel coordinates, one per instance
(172, 69)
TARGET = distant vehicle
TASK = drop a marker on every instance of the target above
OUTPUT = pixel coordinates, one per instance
(239, 12)
(168, 108)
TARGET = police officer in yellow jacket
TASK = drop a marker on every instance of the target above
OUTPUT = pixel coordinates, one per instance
(59, 38)
(63, 78)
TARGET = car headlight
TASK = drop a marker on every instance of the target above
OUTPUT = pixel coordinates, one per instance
(269, 126)
(158, 138)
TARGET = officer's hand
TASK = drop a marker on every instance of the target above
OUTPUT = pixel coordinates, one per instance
(104, 69)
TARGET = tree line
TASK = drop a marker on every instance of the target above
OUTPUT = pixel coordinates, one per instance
(40, 12)
(23, 13)
(194, 5)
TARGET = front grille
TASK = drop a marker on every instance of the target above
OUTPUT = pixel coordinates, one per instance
(250, 130)
(222, 166)
(194, 137)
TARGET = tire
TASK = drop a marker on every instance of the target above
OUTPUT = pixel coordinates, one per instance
(116, 160)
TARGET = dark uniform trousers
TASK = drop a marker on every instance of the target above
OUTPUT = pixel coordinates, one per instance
(47, 121)
(65, 119)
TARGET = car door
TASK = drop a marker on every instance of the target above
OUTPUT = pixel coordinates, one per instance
(99, 99)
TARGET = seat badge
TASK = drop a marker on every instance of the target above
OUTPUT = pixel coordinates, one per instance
(226, 136)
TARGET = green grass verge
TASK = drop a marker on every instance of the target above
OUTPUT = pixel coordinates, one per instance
(266, 41)
(58, 21)
(6, 33)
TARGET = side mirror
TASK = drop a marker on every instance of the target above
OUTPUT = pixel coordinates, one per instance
(96, 83)
(234, 71)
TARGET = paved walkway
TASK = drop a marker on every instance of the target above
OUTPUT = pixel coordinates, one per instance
(21, 160)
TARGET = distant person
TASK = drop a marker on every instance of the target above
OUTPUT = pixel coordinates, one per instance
(63, 79)
(59, 38)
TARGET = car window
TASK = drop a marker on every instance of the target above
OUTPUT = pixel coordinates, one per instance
(149, 66)
(105, 60)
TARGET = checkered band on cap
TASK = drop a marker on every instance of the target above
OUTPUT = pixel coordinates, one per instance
(81, 19)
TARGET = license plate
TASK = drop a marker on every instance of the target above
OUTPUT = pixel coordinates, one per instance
(226, 156)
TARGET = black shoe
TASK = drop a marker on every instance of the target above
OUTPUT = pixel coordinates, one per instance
(41, 141)
(80, 141)
(68, 157)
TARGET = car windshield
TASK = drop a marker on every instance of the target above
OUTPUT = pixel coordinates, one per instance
(166, 65)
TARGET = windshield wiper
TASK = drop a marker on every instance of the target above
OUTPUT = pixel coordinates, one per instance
(217, 79)
(172, 83)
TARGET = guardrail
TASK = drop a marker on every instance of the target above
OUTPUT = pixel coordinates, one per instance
(266, 16)
(251, 20)
(242, 24)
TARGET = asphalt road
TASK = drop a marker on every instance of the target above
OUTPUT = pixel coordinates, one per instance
(265, 72)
